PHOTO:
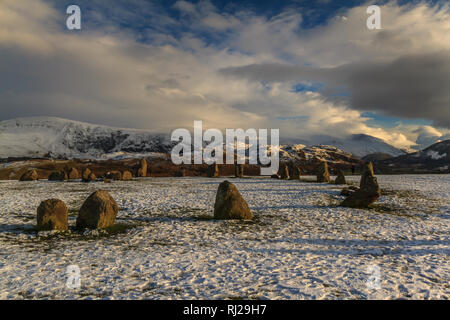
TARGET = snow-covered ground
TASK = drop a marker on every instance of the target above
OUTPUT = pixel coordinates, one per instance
(300, 246)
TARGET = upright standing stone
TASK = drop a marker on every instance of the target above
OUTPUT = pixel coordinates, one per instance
(213, 170)
(283, 171)
(98, 211)
(368, 192)
(85, 174)
(230, 204)
(340, 179)
(142, 171)
(294, 171)
(73, 174)
(323, 174)
(239, 170)
(52, 214)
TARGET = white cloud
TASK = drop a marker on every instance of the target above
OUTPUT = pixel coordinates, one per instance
(107, 76)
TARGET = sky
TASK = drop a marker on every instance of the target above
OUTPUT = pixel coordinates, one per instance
(305, 67)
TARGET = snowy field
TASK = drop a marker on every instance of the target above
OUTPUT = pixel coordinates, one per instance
(300, 246)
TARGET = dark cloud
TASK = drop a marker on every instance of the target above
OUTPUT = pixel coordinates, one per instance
(412, 86)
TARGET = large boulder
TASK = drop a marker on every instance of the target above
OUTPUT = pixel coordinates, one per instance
(323, 174)
(239, 170)
(58, 176)
(98, 211)
(30, 175)
(142, 171)
(73, 174)
(52, 214)
(230, 204)
(369, 190)
(213, 170)
(127, 176)
(340, 179)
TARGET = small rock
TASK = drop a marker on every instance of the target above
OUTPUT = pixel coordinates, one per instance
(52, 214)
(230, 204)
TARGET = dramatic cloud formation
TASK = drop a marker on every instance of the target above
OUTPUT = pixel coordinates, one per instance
(411, 86)
(229, 69)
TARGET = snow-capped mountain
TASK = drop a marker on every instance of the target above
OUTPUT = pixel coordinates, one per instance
(359, 144)
(61, 138)
(435, 158)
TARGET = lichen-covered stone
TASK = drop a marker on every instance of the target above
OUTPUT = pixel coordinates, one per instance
(98, 211)
(230, 204)
(52, 214)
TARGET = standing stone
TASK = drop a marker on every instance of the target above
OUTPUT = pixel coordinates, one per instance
(127, 175)
(73, 174)
(58, 176)
(91, 177)
(85, 174)
(181, 172)
(340, 179)
(294, 171)
(367, 175)
(368, 192)
(323, 175)
(239, 170)
(230, 204)
(52, 214)
(284, 171)
(142, 171)
(30, 175)
(98, 211)
(213, 170)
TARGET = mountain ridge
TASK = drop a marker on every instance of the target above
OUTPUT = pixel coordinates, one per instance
(54, 137)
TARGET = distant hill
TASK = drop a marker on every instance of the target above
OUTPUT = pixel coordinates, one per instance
(60, 138)
(359, 145)
(435, 158)
(378, 156)
(47, 137)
